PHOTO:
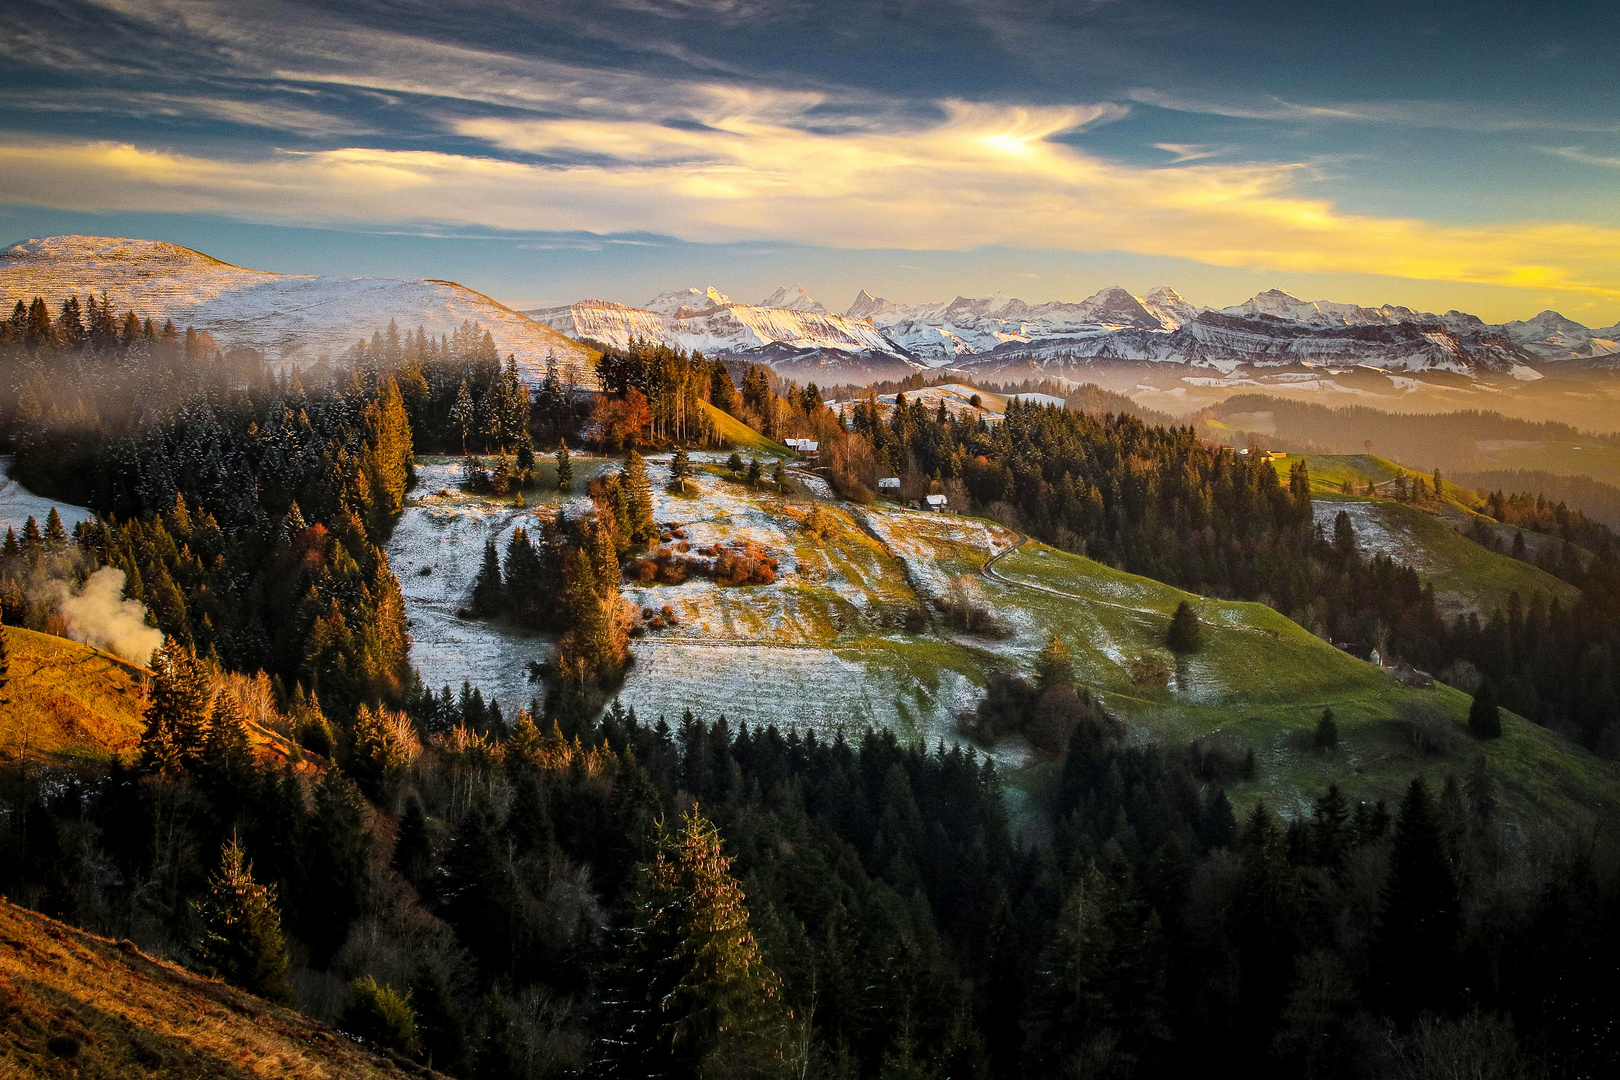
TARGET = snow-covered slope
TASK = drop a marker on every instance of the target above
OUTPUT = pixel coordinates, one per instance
(790, 331)
(294, 317)
(795, 299)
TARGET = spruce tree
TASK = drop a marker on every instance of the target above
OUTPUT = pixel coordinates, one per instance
(1420, 915)
(638, 501)
(1186, 633)
(734, 463)
(1327, 731)
(242, 940)
(680, 469)
(489, 593)
(178, 710)
(526, 594)
(565, 468)
(692, 995)
(413, 852)
(1484, 714)
(755, 472)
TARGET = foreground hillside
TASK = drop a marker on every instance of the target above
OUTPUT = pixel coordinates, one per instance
(295, 317)
(73, 1004)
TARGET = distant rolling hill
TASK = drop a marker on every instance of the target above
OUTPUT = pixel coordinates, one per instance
(294, 317)
(74, 1004)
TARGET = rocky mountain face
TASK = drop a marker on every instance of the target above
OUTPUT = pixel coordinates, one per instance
(1001, 336)
(291, 317)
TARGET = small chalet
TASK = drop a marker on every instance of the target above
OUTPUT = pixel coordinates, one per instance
(889, 483)
(935, 502)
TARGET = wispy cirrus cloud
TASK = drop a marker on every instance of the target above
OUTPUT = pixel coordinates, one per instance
(1575, 153)
(1449, 115)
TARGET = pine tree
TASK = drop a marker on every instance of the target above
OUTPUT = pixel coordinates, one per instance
(526, 593)
(734, 463)
(228, 751)
(1484, 714)
(1327, 731)
(489, 594)
(693, 996)
(565, 468)
(1186, 632)
(680, 469)
(755, 472)
(462, 413)
(56, 538)
(242, 939)
(413, 853)
(638, 501)
(178, 710)
(1344, 534)
(1420, 915)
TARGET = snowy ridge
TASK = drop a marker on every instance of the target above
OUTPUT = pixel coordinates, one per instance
(291, 317)
(789, 331)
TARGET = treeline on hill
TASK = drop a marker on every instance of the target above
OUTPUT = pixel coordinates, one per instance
(624, 899)
(1597, 500)
(1427, 440)
(1165, 504)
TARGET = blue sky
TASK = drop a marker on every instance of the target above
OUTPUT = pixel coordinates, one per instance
(1436, 155)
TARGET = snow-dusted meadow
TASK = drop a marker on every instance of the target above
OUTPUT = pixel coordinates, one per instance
(820, 648)
(18, 504)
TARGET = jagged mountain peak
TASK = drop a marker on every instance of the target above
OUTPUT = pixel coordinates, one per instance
(692, 299)
(794, 299)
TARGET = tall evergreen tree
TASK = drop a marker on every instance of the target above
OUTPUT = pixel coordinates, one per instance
(638, 501)
(680, 469)
(1186, 633)
(1420, 916)
(693, 996)
(489, 593)
(178, 710)
(242, 939)
(565, 468)
(1484, 714)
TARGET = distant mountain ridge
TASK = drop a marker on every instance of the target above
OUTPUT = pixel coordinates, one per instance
(1003, 336)
(295, 317)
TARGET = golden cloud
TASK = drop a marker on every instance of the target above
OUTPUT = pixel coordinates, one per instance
(748, 170)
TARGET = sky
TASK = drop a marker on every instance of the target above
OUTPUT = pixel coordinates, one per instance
(1436, 155)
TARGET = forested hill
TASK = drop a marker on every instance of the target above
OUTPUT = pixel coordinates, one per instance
(573, 890)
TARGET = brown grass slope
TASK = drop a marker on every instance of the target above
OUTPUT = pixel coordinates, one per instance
(73, 1004)
(68, 702)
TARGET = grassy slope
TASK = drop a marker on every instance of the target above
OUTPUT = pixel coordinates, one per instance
(68, 701)
(741, 435)
(1464, 574)
(1265, 681)
(131, 1015)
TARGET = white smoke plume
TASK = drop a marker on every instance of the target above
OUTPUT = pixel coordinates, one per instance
(99, 616)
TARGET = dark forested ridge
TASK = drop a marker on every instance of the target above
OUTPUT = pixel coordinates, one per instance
(568, 891)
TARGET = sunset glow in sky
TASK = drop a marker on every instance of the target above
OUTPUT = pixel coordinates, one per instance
(1437, 156)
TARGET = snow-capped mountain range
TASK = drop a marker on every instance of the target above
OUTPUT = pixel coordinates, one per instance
(1002, 335)
(294, 317)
